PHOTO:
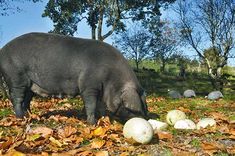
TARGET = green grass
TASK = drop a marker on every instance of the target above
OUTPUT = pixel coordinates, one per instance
(195, 142)
(158, 83)
(5, 112)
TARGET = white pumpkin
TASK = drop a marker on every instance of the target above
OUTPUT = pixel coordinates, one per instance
(157, 125)
(174, 115)
(185, 124)
(204, 122)
(139, 130)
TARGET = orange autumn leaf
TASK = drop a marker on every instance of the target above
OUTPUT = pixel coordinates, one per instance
(184, 110)
(102, 153)
(164, 135)
(209, 146)
(232, 131)
(97, 143)
(104, 121)
(108, 143)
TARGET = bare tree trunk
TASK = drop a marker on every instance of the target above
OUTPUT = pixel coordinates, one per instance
(163, 66)
(216, 78)
(100, 24)
(137, 65)
(93, 35)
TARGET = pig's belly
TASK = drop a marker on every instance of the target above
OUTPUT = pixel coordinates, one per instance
(59, 92)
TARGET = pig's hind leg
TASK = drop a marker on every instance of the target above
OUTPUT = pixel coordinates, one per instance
(18, 85)
(26, 103)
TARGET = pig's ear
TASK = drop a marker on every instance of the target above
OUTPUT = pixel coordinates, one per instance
(131, 99)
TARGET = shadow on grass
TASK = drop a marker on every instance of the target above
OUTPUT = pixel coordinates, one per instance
(158, 83)
(81, 115)
(67, 113)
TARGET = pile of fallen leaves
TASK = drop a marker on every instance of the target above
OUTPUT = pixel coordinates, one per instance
(54, 129)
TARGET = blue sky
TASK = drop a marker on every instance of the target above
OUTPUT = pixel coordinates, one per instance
(30, 20)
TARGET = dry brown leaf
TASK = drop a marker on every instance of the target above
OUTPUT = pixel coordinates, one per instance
(104, 122)
(232, 131)
(125, 154)
(82, 150)
(59, 118)
(43, 131)
(69, 153)
(108, 143)
(6, 143)
(184, 110)
(102, 153)
(224, 129)
(97, 143)
(116, 127)
(84, 153)
(219, 116)
(66, 131)
(34, 116)
(183, 153)
(231, 151)
(164, 135)
(115, 137)
(42, 154)
(11, 120)
(209, 146)
(232, 137)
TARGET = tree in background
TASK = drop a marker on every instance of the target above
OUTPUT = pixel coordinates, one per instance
(134, 43)
(208, 26)
(164, 40)
(99, 14)
(7, 6)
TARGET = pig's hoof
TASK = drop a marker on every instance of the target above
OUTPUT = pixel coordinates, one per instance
(91, 120)
(152, 115)
(20, 115)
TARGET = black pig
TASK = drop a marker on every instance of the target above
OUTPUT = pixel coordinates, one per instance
(49, 64)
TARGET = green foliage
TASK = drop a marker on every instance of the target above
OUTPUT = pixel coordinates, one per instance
(67, 14)
(222, 154)
(212, 55)
(166, 152)
(5, 112)
(7, 7)
(195, 142)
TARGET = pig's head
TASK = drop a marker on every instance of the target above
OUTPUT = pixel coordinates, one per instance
(132, 104)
